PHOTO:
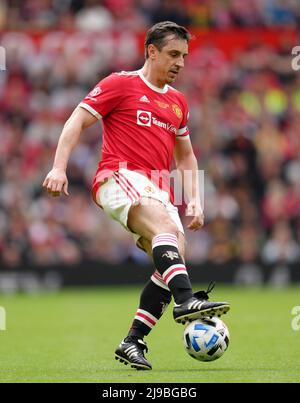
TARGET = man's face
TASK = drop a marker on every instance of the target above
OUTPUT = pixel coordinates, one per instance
(170, 59)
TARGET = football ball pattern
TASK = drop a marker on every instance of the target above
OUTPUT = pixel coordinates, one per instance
(206, 339)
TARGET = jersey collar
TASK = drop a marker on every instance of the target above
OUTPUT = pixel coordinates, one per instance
(153, 87)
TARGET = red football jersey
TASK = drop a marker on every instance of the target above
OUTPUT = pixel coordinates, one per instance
(140, 125)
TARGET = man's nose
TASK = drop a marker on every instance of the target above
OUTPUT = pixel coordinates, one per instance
(180, 62)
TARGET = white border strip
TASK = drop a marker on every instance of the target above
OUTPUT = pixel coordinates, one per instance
(90, 109)
(159, 283)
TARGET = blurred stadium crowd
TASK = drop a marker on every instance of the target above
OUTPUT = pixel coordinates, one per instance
(244, 123)
(134, 14)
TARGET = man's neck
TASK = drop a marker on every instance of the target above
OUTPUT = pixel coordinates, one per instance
(151, 77)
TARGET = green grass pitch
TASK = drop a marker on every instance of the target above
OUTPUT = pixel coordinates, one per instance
(70, 336)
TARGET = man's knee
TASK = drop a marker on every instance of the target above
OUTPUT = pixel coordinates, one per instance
(145, 245)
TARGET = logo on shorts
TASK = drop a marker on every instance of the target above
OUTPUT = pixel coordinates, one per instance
(143, 118)
(171, 255)
(149, 189)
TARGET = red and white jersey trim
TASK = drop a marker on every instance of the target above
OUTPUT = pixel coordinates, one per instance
(90, 109)
(153, 87)
(183, 133)
(128, 73)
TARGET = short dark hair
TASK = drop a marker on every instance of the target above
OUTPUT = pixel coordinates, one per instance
(158, 32)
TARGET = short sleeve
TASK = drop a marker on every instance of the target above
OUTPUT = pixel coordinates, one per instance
(104, 97)
(183, 131)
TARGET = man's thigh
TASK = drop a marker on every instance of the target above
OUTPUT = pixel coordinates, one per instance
(150, 218)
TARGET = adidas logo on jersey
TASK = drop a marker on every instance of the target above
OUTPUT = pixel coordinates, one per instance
(144, 99)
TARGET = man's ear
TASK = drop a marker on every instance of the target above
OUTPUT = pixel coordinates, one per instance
(152, 51)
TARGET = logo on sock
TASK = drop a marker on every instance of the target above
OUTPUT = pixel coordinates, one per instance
(171, 255)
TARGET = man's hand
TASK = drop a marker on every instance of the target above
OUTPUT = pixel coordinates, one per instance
(194, 209)
(56, 181)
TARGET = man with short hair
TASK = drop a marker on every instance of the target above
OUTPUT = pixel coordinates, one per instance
(144, 127)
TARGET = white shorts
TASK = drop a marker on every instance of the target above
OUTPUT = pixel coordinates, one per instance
(125, 189)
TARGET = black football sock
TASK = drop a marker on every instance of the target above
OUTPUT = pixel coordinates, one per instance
(171, 266)
(153, 302)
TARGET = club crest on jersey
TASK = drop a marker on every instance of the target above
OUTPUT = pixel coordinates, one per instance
(177, 111)
(171, 255)
(95, 92)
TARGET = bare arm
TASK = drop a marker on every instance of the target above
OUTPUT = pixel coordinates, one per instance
(187, 165)
(56, 181)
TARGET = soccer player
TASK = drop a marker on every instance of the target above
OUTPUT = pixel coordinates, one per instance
(144, 127)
